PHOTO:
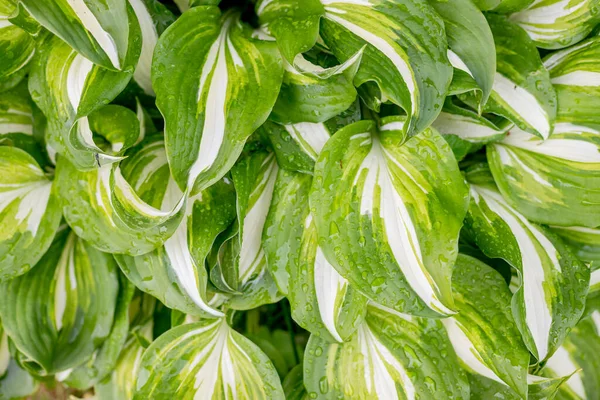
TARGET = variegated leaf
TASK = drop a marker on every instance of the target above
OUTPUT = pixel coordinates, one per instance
(207, 360)
(580, 353)
(175, 273)
(131, 209)
(575, 74)
(29, 212)
(16, 114)
(94, 29)
(522, 91)
(68, 88)
(391, 356)
(388, 214)
(297, 146)
(554, 24)
(312, 94)
(553, 283)
(546, 180)
(16, 45)
(241, 268)
(153, 18)
(215, 86)
(483, 333)
(468, 125)
(322, 301)
(405, 60)
(538, 388)
(59, 313)
(584, 241)
(15, 382)
(470, 43)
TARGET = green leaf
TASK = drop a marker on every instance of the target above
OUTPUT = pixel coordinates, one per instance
(470, 42)
(404, 61)
(538, 388)
(468, 125)
(388, 214)
(29, 212)
(61, 312)
(207, 359)
(575, 74)
(483, 333)
(554, 24)
(322, 301)
(15, 382)
(522, 91)
(214, 88)
(391, 356)
(241, 268)
(585, 242)
(546, 180)
(581, 350)
(175, 273)
(132, 210)
(293, 385)
(293, 23)
(312, 94)
(94, 29)
(16, 47)
(552, 283)
(68, 88)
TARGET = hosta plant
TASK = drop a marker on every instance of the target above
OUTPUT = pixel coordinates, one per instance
(301, 199)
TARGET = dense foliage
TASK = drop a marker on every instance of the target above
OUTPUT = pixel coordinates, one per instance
(301, 199)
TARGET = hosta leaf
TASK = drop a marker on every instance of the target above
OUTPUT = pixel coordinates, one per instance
(388, 214)
(214, 87)
(16, 47)
(67, 87)
(16, 117)
(538, 388)
(60, 312)
(153, 18)
(470, 42)
(130, 211)
(312, 94)
(584, 241)
(575, 73)
(104, 360)
(553, 24)
(553, 181)
(241, 268)
(553, 283)
(15, 382)
(29, 212)
(293, 385)
(404, 61)
(391, 356)
(581, 350)
(322, 301)
(468, 125)
(294, 23)
(483, 333)
(206, 359)
(297, 146)
(522, 91)
(96, 30)
(175, 273)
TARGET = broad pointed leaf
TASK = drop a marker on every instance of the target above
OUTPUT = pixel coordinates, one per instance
(16, 46)
(584, 241)
(175, 273)
(96, 30)
(15, 382)
(522, 91)
(130, 211)
(553, 181)
(391, 356)
(483, 333)
(215, 86)
(293, 385)
(405, 59)
(29, 212)
(388, 214)
(241, 268)
(554, 24)
(553, 283)
(322, 301)
(206, 359)
(60, 312)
